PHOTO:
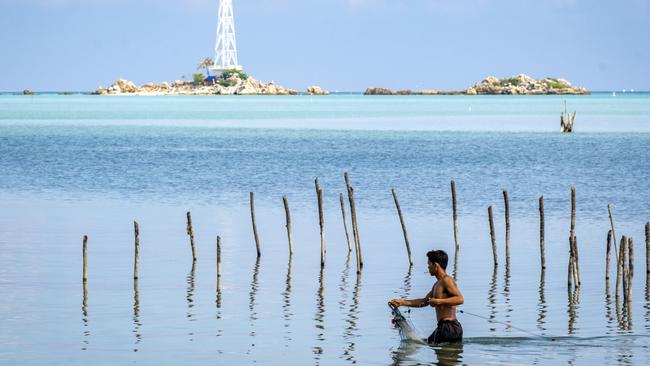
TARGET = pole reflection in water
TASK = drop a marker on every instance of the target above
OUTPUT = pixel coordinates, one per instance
(406, 289)
(492, 307)
(506, 290)
(84, 316)
(351, 329)
(190, 298)
(619, 314)
(647, 302)
(573, 299)
(252, 295)
(343, 288)
(319, 317)
(136, 315)
(541, 305)
(218, 302)
(609, 316)
(286, 305)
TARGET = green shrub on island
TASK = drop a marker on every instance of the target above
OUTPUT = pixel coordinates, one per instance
(230, 72)
(555, 84)
(198, 78)
(227, 82)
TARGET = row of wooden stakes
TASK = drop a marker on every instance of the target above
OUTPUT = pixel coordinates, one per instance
(624, 255)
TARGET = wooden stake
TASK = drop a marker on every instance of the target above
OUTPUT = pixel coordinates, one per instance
(576, 265)
(647, 247)
(257, 239)
(455, 213)
(630, 250)
(355, 230)
(611, 222)
(355, 227)
(321, 222)
(288, 216)
(218, 260)
(609, 249)
(620, 275)
(190, 232)
(85, 258)
(630, 275)
(401, 219)
(541, 231)
(136, 230)
(570, 273)
(573, 212)
(494, 242)
(345, 224)
(506, 202)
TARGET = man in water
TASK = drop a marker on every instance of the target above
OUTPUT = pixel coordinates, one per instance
(444, 297)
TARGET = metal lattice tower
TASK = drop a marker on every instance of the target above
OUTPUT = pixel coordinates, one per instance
(226, 48)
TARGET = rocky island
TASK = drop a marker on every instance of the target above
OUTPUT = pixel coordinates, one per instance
(517, 85)
(231, 82)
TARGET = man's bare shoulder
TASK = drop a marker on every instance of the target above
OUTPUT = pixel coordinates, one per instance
(448, 281)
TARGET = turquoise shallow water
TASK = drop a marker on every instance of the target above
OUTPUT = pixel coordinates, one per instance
(75, 165)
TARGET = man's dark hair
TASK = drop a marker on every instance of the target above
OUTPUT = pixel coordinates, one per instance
(438, 256)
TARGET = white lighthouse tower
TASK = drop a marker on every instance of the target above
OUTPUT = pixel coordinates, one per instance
(226, 47)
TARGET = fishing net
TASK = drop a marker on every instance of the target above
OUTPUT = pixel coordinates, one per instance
(406, 329)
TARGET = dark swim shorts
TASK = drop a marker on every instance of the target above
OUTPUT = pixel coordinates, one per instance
(448, 331)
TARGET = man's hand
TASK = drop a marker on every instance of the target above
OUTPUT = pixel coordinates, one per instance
(396, 302)
(434, 302)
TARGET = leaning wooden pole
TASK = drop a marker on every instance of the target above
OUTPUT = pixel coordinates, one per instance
(506, 202)
(541, 232)
(136, 234)
(190, 233)
(84, 252)
(345, 224)
(455, 213)
(355, 227)
(611, 223)
(257, 239)
(492, 238)
(321, 222)
(287, 214)
(401, 220)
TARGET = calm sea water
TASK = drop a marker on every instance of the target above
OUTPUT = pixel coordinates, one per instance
(77, 165)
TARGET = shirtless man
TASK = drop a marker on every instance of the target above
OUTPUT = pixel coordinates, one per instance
(444, 296)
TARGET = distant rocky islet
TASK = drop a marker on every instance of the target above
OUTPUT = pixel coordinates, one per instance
(521, 84)
(236, 84)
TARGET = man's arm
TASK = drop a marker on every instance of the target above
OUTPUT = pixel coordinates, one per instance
(455, 297)
(414, 303)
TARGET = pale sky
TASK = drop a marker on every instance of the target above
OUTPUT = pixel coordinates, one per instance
(344, 45)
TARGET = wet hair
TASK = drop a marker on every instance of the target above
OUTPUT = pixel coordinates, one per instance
(438, 256)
